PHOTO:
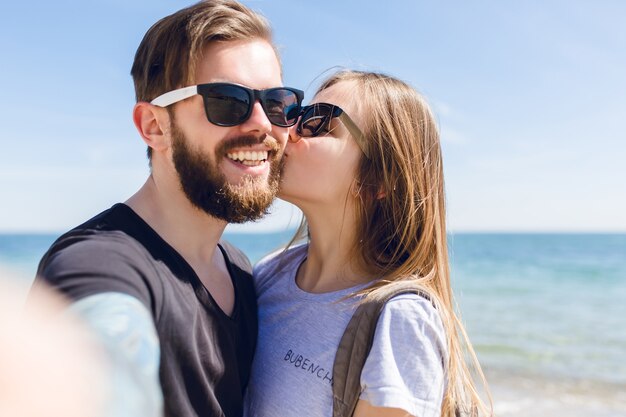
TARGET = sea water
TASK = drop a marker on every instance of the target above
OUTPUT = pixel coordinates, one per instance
(546, 305)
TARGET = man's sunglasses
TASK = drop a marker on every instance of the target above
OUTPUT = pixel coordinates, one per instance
(315, 120)
(228, 104)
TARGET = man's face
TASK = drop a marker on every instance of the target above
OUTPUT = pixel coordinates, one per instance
(208, 158)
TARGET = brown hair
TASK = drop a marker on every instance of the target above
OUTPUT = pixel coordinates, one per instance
(401, 222)
(169, 52)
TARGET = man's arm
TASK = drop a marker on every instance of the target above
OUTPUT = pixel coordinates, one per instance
(125, 329)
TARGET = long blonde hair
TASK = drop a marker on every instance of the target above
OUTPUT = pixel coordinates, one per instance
(401, 232)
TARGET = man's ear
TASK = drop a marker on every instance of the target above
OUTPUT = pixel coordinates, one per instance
(153, 124)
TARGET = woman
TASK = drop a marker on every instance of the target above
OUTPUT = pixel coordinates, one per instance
(364, 165)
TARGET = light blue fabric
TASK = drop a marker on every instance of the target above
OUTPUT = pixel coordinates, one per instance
(298, 337)
(126, 330)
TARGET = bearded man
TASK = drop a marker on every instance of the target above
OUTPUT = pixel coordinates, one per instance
(173, 305)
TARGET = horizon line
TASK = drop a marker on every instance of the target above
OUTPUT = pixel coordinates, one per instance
(450, 232)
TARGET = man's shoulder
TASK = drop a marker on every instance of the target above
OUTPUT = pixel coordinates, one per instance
(94, 253)
(108, 234)
(109, 219)
(96, 257)
(92, 243)
(99, 236)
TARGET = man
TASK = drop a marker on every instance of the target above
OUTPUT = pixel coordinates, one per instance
(151, 276)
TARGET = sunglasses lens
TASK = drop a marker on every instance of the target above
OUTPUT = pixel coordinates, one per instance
(226, 105)
(281, 106)
(230, 104)
(314, 121)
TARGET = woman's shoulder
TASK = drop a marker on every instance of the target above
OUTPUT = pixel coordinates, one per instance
(412, 317)
(406, 365)
(412, 306)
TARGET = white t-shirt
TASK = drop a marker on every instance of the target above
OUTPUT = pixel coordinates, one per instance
(299, 333)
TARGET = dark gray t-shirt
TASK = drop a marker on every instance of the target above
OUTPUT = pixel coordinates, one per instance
(298, 337)
(205, 355)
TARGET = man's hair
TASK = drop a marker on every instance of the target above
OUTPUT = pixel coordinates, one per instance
(167, 56)
(169, 52)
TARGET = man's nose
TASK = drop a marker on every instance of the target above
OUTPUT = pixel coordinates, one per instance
(258, 120)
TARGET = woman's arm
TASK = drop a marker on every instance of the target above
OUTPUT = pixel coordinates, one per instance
(365, 409)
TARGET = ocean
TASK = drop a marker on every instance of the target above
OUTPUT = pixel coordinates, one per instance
(546, 313)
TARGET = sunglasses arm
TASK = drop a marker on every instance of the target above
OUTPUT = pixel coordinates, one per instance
(175, 96)
(355, 132)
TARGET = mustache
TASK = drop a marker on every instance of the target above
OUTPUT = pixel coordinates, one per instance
(248, 140)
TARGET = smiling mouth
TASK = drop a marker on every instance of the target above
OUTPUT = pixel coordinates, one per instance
(249, 158)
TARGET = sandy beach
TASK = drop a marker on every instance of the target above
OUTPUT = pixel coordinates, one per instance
(517, 395)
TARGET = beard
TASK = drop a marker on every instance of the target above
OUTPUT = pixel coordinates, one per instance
(207, 188)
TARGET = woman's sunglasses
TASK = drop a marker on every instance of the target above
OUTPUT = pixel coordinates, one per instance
(228, 104)
(315, 120)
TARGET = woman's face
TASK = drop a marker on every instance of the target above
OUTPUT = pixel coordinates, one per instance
(321, 170)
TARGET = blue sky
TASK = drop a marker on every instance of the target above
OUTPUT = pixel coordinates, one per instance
(530, 97)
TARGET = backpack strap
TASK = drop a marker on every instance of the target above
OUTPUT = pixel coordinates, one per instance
(356, 344)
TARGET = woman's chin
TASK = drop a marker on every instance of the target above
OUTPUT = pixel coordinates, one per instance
(286, 189)
(285, 197)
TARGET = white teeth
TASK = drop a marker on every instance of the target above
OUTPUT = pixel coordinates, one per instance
(248, 157)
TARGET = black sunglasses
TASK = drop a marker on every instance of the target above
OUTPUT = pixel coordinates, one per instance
(229, 104)
(315, 120)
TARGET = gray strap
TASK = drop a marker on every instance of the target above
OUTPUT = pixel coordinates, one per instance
(356, 344)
